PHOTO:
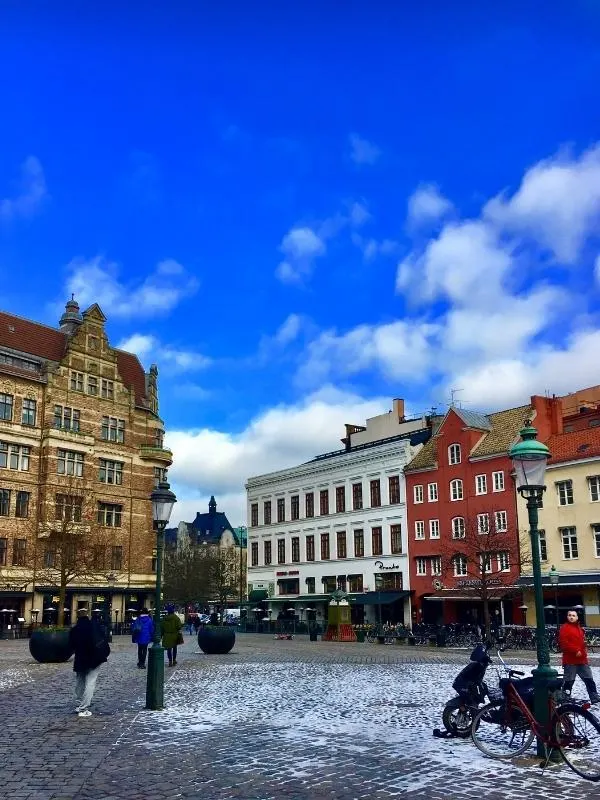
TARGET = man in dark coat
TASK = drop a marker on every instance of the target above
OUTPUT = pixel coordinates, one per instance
(90, 644)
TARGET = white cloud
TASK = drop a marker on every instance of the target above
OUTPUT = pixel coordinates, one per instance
(557, 204)
(289, 330)
(148, 348)
(362, 151)
(372, 248)
(97, 281)
(30, 194)
(280, 437)
(427, 205)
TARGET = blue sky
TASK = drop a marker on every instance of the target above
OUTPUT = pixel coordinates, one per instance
(300, 211)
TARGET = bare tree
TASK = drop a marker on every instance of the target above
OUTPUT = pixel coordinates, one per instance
(202, 573)
(482, 556)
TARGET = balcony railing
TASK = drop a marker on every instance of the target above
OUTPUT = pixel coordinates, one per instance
(155, 453)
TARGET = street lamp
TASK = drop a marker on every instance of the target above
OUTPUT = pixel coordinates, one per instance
(554, 579)
(529, 458)
(111, 579)
(163, 500)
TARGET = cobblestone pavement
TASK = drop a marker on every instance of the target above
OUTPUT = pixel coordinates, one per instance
(271, 720)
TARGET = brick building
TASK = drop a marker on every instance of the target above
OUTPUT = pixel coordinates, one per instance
(80, 439)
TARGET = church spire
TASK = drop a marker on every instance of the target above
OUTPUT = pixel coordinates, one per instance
(212, 506)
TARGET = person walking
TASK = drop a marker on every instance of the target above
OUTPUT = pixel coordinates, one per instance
(170, 628)
(89, 641)
(142, 632)
(571, 640)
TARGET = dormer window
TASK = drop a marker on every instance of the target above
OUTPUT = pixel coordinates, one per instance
(454, 454)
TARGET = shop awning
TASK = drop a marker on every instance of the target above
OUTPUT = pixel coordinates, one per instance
(377, 598)
(258, 595)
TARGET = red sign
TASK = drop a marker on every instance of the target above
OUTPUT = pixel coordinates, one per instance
(281, 573)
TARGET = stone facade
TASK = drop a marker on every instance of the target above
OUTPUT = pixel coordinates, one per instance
(78, 418)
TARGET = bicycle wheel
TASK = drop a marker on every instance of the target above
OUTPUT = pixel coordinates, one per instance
(499, 733)
(577, 732)
(457, 718)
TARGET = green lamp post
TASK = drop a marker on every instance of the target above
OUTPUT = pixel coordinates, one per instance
(529, 458)
(163, 501)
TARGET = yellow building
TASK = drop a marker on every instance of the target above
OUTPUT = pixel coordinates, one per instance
(569, 524)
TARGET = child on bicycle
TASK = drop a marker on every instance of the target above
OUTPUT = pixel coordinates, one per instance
(571, 640)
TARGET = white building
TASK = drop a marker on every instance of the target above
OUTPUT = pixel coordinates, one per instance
(336, 522)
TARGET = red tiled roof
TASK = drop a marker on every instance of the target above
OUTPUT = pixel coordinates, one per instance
(39, 340)
(574, 446)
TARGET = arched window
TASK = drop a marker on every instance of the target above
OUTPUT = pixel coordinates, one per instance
(456, 489)
(458, 528)
(454, 454)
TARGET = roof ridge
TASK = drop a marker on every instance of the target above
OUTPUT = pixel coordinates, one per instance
(34, 322)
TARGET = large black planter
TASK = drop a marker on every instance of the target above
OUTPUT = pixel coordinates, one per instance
(216, 639)
(50, 647)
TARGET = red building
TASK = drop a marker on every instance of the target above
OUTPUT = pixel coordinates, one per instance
(462, 516)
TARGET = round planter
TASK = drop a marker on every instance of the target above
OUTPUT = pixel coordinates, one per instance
(360, 636)
(50, 647)
(216, 639)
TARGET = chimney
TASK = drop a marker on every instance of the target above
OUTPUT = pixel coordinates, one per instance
(399, 409)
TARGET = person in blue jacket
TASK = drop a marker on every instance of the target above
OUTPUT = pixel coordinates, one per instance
(142, 632)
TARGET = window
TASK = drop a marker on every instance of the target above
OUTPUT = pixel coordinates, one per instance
(268, 552)
(113, 430)
(483, 523)
(498, 481)
(295, 506)
(281, 551)
(66, 418)
(22, 509)
(432, 492)
(595, 531)
(421, 566)
(267, 512)
(355, 583)
(565, 493)
(254, 515)
(50, 558)
(290, 586)
(325, 546)
(394, 489)
(309, 504)
(504, 562)
(396, 537)
(480, 484)
(92, 386)
(111, 472)
(160, 476)
(6, 406)
(594, 484)
(4, 502)
(340, 499)
(69, 463)
(569, 542)
(254, 553)
(107, 389)
(341, 583)
(434, 529)
(456, 489)
(3, 549)
(500, 521)
(14, 456)
(341, 544)
(460, 566)
(77, 381)
(116, 557)
(357, 498)
(310, 586)
(22, 363)
(19, 552)
(418, 493)
(281, 509)
(388, 581)
(458, 528)
(543, 546)
(359, 543)
(376, 542)
(295, 549)
(485, 563)
(324, 502)
(68, 508)
(329, 584)
(28, 412)
(454, 454)
(419, 529)
(110, 514)
(436, 565)
(310, 548)
(375, 494)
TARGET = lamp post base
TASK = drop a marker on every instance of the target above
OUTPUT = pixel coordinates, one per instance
(541, 675)
(155, 679)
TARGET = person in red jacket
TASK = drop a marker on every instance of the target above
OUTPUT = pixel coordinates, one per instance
(571, 640)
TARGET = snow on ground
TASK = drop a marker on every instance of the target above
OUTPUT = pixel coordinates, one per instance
(11, 677)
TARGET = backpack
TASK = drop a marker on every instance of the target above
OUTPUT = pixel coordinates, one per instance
(136, 629)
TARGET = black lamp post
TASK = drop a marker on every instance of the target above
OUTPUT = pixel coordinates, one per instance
(163, 501)
(111, 579)
(529, 459)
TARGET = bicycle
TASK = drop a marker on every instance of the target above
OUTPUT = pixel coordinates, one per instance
(506, 727)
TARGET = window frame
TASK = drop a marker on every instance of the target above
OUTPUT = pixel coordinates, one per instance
(26, 413)
(341, 544)
(7, 405)
(432, 492)
(454, 454)
(462, 531)
(483, 523)
(396, 539)
(501, 527)
(418, 494)
(110, 515)
(456, 483)
(73, 457)
(340, 499)
(420, 567)
(357, 496)
(375, 492)
(394, 497)
(281, 550)
(568, 495)
(498, 484)
(591, 490)
(481, 484)
(462, 561)
(569, 532)
(419, 530)
(359, 542)
(434, 529)
(377, 535)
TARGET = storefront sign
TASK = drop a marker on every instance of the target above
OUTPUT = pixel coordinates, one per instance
(476, 584)
(381, 565)
(13, 587)
(294, 572)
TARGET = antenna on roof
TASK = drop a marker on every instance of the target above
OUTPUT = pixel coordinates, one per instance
(452, 393)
